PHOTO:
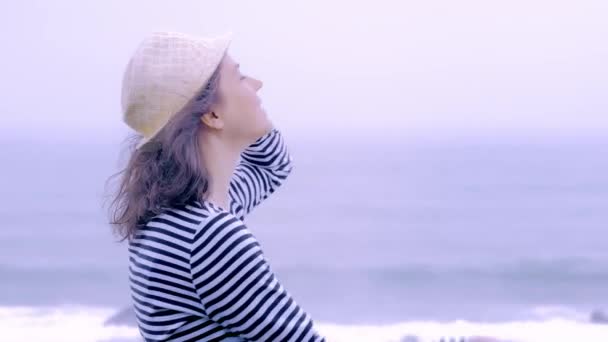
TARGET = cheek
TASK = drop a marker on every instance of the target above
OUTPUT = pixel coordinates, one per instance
(250, 99)
(245, 114)
(249, 106)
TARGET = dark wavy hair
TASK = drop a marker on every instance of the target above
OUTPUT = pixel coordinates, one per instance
(164, 172)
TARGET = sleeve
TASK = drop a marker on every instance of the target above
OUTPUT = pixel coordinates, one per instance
(263, 167)
(238, 289)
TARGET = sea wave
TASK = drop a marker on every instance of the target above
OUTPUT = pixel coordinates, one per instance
(84, 324)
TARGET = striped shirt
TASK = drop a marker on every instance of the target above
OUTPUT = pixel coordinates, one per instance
(197, 273)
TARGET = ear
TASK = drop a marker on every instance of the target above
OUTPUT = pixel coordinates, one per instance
(212, 120)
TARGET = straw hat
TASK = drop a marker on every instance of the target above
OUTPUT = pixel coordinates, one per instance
(165, 72)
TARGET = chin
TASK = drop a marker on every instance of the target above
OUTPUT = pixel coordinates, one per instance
(261, 126)
(262, 130)
(254, 132)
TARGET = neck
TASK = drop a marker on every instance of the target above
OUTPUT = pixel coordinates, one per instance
(219, 159)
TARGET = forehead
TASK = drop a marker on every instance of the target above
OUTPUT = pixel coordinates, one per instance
(228, 63)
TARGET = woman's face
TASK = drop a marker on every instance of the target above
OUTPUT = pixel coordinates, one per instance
(239, 112)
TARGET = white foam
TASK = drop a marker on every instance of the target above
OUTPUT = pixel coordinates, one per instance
(554, 330)
(84, 324)
(62, 324)
(557, 311)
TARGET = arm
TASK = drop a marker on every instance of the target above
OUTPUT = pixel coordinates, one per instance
(264, 166)
(238, 289)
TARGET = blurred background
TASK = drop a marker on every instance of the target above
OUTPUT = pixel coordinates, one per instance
(450, 162)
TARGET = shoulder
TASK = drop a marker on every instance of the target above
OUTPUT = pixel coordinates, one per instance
(217, 223)
(178, 220)
(222, 232)
(167, 237)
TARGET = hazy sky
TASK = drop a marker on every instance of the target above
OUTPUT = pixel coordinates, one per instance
(401, 67)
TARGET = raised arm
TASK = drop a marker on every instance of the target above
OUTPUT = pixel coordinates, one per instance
(264, 166)
(238, 289)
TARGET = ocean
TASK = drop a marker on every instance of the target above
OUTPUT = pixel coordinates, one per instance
(377, 240)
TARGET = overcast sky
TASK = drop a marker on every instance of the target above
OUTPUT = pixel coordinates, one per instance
(400, 67)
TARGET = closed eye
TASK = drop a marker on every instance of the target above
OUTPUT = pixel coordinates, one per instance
(241, 76)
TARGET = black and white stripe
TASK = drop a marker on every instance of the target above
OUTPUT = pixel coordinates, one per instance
(198, 274)
(263, 168)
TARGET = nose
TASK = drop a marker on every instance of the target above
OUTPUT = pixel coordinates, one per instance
(258, 84)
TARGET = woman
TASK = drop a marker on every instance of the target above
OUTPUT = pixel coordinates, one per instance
(206, 156)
